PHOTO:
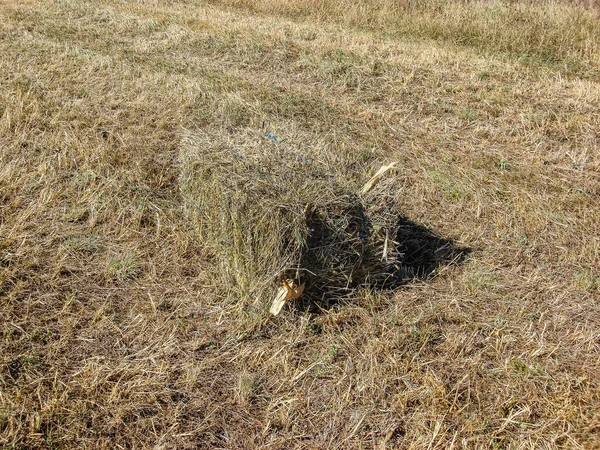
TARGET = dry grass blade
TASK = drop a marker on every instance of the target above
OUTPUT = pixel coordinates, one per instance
(375, 178)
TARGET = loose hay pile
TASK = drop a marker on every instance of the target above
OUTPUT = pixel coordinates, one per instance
(269, 215)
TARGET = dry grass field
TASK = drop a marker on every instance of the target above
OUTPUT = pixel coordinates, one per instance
(113, 331)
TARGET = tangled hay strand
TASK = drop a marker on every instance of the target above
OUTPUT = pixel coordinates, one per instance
(267, 213)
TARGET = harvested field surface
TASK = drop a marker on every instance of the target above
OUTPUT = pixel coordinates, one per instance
(116, 330)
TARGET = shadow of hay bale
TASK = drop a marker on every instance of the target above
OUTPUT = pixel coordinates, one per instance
(423, 251)
(268, 213)
(420, 253)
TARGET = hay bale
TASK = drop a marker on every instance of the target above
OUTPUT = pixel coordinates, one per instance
(267, 214)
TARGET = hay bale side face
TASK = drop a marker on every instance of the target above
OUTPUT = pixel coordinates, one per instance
(247, 220)
(335, 248)
(384, 258)
(266, 215)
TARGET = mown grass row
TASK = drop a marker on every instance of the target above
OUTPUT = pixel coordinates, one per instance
(561, 34)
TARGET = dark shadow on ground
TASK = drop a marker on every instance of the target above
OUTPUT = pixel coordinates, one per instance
(421, 252)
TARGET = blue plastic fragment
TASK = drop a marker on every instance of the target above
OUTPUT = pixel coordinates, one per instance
(303, 159)
(272, 136)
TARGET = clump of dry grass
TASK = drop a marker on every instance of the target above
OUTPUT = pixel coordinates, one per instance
(270, 214)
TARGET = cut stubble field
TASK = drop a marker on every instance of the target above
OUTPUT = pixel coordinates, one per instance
(115, 331)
